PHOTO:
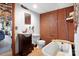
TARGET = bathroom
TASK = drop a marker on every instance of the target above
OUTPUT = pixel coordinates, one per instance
(34, 27)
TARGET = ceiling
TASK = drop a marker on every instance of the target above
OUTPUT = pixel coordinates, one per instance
(5, 8)
(46, 7)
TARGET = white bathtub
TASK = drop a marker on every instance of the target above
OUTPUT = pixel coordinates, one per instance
(54, 47)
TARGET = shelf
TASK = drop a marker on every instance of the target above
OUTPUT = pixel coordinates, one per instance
(70, 19)
(71, 13)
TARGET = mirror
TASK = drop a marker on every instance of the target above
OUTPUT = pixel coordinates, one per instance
(27, 18)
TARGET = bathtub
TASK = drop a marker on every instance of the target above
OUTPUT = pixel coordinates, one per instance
(55, 47)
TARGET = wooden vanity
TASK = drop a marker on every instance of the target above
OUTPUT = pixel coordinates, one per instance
(25, 43)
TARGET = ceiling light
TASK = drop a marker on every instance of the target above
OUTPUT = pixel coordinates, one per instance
(35, 6)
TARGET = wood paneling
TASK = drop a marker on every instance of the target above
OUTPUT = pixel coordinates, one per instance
(62, 28)
(53, 25)
(52, 20)
(44, 27)
(70, 25)
(49, 26)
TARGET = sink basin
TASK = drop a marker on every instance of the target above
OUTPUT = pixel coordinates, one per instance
(27, 35)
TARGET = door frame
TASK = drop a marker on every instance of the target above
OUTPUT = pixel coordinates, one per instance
(13, 29)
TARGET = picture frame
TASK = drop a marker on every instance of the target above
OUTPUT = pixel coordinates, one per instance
(27, 18)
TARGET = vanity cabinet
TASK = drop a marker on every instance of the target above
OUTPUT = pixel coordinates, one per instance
(25, 44)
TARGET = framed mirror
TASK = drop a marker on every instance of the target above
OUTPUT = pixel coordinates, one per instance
(27, 18)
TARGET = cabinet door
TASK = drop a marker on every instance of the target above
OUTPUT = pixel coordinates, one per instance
(62, 26)
(52, 20)
(70, 25)
(44, 27)
(48, 26)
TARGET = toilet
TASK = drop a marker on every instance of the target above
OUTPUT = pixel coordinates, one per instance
(40, 43)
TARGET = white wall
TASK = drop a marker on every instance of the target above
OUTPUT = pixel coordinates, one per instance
(20, 21)
(76, 41)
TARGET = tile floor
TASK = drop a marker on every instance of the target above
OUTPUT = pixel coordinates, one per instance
(8, 53)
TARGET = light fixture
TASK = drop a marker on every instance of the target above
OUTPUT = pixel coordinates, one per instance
(24, 7)
(35, 6)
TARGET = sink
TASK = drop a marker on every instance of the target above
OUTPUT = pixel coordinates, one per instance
(27, 35)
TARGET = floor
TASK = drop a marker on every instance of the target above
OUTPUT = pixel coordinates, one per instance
(36, 52)
(7, 53)
(5, 45)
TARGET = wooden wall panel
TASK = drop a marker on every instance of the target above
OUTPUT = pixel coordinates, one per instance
(44, 27)
(62, 27)
(70, 25)
(49, 26)
(53, 25)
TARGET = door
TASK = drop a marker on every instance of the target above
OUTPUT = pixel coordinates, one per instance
(44, 27)
(70, 24)
(48, 26)
(52, 20)
(62, 26)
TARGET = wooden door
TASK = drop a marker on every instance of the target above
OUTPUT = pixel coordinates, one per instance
(44, 27)
(62, 27)
(52, 20)
(48, 26)
(70, 25)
